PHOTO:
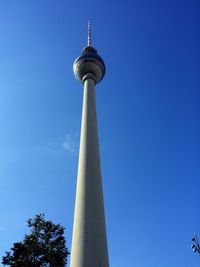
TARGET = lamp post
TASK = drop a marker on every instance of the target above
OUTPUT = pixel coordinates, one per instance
(195, 244)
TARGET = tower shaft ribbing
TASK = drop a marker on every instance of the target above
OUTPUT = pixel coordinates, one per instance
(89, 243)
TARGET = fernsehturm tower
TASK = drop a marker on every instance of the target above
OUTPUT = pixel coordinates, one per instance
(89, 242)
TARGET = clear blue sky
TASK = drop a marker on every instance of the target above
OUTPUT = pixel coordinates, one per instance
(148, 115)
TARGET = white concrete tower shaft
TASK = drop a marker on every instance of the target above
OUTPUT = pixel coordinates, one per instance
(89, 245)
(89, 242)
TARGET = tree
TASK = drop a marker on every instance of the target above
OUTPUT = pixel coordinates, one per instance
(45, 246)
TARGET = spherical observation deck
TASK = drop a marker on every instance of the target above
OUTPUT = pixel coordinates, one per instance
(89, 63)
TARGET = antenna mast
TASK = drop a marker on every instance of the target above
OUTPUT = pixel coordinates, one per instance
(89, 33)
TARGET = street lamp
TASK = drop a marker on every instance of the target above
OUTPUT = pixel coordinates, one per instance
(195, 245)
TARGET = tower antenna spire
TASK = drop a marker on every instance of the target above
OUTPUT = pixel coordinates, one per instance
(89, 33)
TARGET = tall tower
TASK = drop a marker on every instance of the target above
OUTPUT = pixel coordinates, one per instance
(89, 242)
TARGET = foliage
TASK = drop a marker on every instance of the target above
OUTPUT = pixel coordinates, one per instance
(45, 246)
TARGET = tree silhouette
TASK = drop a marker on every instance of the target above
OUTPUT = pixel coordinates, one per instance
(45, 246)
